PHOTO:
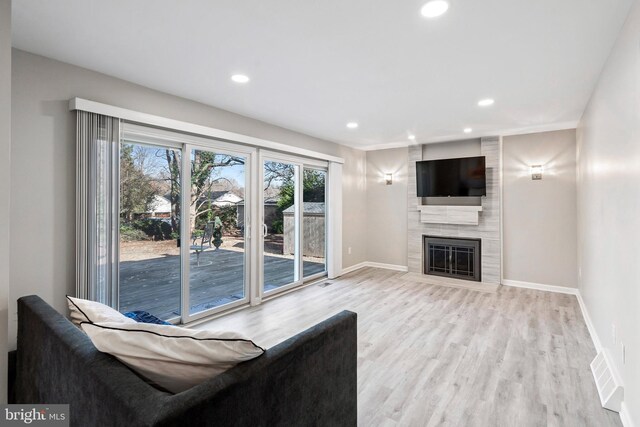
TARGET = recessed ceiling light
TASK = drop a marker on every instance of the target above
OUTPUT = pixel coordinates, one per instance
(240, 78)
(467, 130)
(434, 8)
(352, 125)
(412, 137)
(486, 102)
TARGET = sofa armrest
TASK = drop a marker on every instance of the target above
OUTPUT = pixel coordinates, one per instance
(309, 379)
(58, 363)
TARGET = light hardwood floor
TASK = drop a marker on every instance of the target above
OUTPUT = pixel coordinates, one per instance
(431, 355)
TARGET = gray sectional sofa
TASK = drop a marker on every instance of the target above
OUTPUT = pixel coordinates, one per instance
(307, 380)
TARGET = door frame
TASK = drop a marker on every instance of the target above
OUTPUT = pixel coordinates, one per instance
(151, 143)
(300, 163)
(249, 153)
(324, 169)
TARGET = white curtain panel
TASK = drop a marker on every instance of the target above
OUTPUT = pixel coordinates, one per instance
(97, 140)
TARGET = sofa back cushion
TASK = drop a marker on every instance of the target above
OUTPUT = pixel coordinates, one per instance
(172, 357)
(83, 310)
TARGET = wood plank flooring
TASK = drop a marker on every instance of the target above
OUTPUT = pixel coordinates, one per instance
(440, 356)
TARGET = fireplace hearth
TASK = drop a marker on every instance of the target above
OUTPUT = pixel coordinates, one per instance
(452, 257)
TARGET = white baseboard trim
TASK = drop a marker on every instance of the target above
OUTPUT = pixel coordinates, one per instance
(354, 267)
(587, 319)
(625, 416)
(375, 265)
(395, 267)
(541, 287)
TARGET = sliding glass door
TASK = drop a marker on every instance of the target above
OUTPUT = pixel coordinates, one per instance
(314, 236)
(293, 222)
(150, 271)
(176, 269)
(200, 231)
(217, 242)
(280, 232)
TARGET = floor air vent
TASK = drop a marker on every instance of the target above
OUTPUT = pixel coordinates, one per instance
(609, 387)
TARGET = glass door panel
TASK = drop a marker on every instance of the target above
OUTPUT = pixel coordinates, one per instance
(313, 221)
(217, 261)
(280, 230)
(149, 247)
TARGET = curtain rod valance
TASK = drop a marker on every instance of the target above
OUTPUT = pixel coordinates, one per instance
(150, 119)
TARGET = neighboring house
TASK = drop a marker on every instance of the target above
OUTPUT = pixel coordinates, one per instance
(160, 207)
(223, 198)
(313, 229)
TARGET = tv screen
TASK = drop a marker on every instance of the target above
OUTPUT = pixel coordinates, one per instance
(463, 177)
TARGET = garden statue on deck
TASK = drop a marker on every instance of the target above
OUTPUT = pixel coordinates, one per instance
(217, 232)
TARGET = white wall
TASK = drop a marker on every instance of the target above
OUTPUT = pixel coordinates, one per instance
(609, 207)
(354, 206)
(5, 165)
(386, 211)
(43, 167)
(539, 217)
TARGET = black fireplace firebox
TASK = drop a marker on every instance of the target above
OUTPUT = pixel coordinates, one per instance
(452, 257)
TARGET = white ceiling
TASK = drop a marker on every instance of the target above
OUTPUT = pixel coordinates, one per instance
(315, 65)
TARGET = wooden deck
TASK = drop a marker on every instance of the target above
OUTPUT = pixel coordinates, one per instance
(153, 285)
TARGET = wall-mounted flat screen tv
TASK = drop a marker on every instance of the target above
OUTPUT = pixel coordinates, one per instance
(462, 177)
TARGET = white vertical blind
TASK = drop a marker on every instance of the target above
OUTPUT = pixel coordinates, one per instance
(97, 148)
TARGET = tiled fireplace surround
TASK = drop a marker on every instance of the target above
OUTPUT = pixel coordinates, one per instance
(488, 228)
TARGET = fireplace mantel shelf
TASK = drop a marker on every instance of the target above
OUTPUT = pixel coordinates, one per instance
(437, 214)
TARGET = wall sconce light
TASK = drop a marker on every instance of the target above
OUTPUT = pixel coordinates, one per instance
(388, 178)
(536, 172)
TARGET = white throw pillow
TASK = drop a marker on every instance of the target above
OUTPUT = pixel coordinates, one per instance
(172, 357)
(83, 310)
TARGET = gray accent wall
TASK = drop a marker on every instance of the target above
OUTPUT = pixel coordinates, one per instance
(451, 149)
(488, 228)
(43, 167)
(386, 213)
(5, 167)
(539, 217)
(609, 208)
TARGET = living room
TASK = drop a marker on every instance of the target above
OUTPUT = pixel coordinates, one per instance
(457, 174)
